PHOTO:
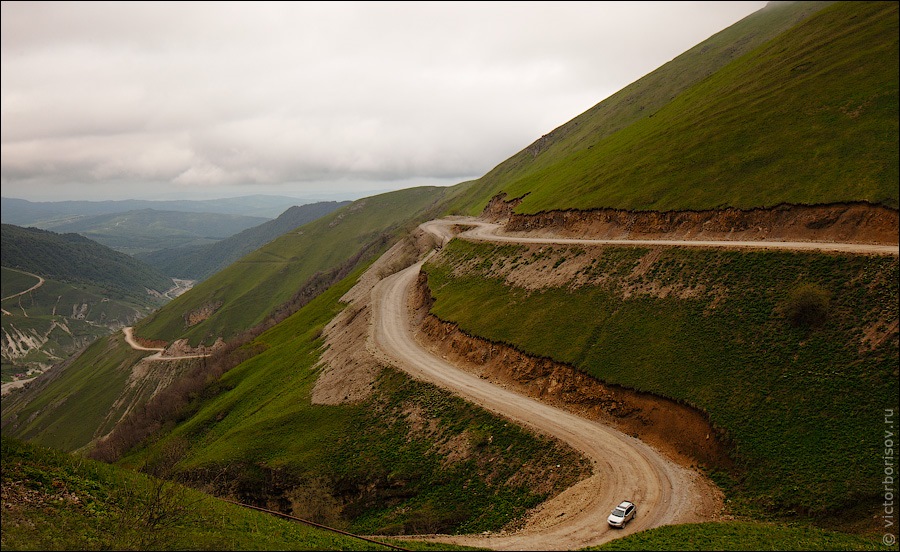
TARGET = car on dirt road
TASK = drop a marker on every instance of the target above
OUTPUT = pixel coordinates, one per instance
(622, 514)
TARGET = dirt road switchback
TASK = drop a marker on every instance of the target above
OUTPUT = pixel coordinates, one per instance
(624, 468)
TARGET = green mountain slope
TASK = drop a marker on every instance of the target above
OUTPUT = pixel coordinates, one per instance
(146, 230)
(199, 262)
(79, 401)
(761, 114)
(250, 290)
(90, 290)
(793, 355)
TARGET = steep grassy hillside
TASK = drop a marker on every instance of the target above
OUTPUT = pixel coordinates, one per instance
(782, 107)
(73, 404)
(248, 291)
(89, 291)
(53, 501)
(793, 355)
(47, 325)
(199, 262)
(411, 458)
(147, 230)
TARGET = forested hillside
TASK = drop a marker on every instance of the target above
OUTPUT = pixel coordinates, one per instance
(72, 258)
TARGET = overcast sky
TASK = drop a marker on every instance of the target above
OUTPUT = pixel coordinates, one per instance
(206, 100)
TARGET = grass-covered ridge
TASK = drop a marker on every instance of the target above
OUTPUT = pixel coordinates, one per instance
(248, 291)
(411, 459)
(802, 399)
(54, 501)
(803, 113)
(72, 258)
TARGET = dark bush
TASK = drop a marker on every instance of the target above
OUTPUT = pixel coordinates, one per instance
(807, 306)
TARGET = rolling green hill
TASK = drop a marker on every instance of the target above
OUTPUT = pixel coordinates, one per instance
(147, 230)
(75, 259)
(201, 261)
(763, 113)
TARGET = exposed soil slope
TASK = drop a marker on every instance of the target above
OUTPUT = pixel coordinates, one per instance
(861, 223)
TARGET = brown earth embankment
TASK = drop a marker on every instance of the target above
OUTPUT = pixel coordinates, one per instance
(845, 222)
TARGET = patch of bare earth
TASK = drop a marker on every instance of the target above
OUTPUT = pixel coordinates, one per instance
(348, 369)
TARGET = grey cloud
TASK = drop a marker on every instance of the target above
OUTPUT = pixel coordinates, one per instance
(218, 95)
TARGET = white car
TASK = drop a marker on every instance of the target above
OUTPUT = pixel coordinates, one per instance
(622, 514)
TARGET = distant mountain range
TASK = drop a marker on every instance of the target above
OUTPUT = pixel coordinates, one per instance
(45, 214)
(200, 261)
(133, 232)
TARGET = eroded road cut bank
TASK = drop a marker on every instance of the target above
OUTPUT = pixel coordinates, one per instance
(682, 433)
(861, 223)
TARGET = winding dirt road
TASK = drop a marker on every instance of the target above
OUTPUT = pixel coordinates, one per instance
(492, 232)
(32, 288)
(623, 467)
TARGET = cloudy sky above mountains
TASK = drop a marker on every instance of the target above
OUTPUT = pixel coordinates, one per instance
(333, 100)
